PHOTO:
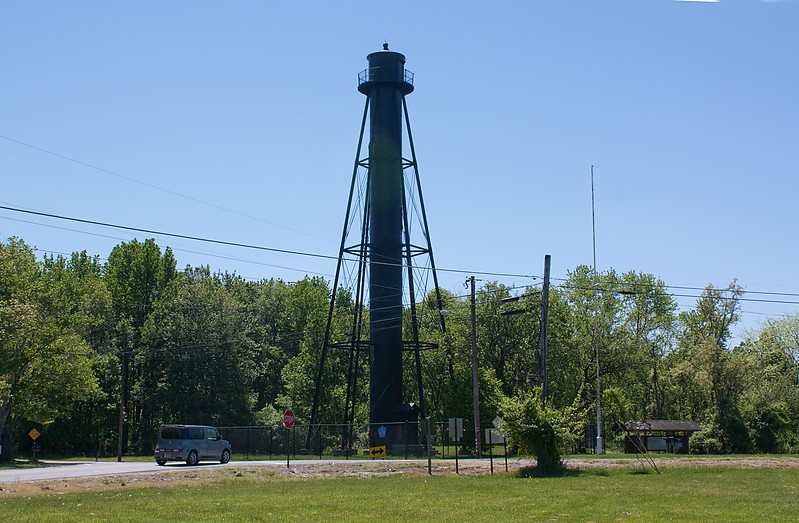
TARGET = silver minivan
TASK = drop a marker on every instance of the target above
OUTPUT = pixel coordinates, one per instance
(190, 443)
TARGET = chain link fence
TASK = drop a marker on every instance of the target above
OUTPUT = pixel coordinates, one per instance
(404, 440)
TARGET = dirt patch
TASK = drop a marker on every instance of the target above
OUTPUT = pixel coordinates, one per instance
(299, 470)
(687, 461)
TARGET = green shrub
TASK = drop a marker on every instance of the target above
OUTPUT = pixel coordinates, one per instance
(538, 429)
(705, 441)
(770, 427)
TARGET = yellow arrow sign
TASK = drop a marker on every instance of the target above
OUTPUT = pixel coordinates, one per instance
(34, 434)
(377, 452)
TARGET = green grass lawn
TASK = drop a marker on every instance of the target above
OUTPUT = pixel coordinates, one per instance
(678, 494)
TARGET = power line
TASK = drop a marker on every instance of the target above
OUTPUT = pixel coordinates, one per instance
(172, 235)
(676, 295)
(331, 257)
(162, 189)
(236, 244)
(638, 287)
(754, 300)
(178, 249)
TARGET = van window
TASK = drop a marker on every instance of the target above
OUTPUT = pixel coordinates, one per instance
(195, 433)
(172, 433)
(212, 434)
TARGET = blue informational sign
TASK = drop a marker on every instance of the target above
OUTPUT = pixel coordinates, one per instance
(382, 431)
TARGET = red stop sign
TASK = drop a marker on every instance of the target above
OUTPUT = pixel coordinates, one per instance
(288, 419)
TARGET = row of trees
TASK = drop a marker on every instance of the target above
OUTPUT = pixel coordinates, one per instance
(78, 336)
(655, 362)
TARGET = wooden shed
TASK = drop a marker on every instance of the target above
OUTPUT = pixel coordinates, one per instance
(658, 435)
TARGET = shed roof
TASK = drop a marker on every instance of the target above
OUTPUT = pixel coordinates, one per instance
(666, 425)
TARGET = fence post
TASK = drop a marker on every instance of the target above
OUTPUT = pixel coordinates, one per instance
(288, 448)
(446, 446)
(456, 451)
(491, 449)
(406, 439)
(505, 448)
(427, 425)
(348, 438)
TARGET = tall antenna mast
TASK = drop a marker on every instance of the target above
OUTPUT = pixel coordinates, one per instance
(596, 327)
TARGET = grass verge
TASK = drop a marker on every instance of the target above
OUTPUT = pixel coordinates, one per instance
(603, 494)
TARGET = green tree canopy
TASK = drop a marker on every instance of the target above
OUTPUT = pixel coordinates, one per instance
(45, 316)
(196, 360)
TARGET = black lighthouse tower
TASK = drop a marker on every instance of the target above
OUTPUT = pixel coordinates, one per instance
(384, 213)
(386, 86)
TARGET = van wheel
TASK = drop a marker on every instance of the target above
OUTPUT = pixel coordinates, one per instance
(192, 458)
(161, 462)
(225, 456)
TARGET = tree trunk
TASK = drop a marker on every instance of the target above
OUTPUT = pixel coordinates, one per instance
(656, 386)
(5, 432)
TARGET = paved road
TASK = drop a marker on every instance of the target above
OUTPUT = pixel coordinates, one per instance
(80, 469)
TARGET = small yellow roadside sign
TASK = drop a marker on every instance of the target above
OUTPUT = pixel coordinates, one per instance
(34, 434)
(377, 452)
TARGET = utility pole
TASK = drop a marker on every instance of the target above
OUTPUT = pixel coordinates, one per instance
(123, 389)
(544, 319)
(475, 377)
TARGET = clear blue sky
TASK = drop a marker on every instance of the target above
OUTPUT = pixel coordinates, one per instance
(245, 116)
